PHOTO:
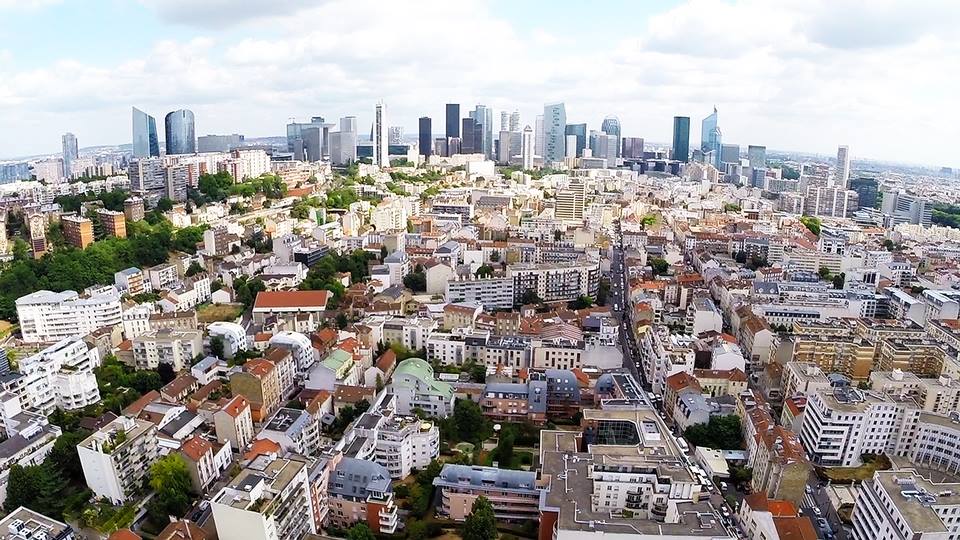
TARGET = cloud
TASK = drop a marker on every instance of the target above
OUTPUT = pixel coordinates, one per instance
(26, 4)
(797, 75)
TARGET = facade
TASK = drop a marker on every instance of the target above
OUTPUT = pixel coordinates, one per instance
(289, 304)
(416, 387)
(681, 138)
(61, 376)
(842, 172)
(173, 347)
(259, 383)
(527, 149)
(360, 491)
(554, 138)
(116, 459)
(78, 231)
(233, 335)
(381, 154)
(710, 139)
(114, 223)
(70, 153)
(234, 423)
(145, 141)
(514, 494)
(611, 126)
(219, 143)
(452, 120)
(425, 136)
(580, 132)
(491, 293)
(904, 207)
(554, 282)
(180, 132)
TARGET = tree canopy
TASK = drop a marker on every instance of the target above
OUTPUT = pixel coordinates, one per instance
(721, 432)
(170, 481)
(481, 524)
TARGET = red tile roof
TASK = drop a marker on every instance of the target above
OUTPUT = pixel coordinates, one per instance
(261, 446)
(236, 406)
(134, 408)
(124, 534)
(195, 448)
(291, 299)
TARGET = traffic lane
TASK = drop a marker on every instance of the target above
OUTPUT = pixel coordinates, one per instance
(817, 500)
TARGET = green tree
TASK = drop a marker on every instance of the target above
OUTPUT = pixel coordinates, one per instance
(170, 481)
(23, 485)
(415, 281)
(484, 271)
(721, 432)
(360, 531)
(64, 457)
(583, 302)
(529, 296)
(472, 425)
(481, 524)
(659, 266)
(824, 273)
(342, 321)
(838, 280)
(164, 204)
(504, 449)
(217, 347)
(812, 223)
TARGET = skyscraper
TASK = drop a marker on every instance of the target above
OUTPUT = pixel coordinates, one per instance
(180, 132)
(504, 121)
(730, 153)
(483, 116)
(710, 138)
(842, 175)
(515, 121)
(554, 139)
(425, 133)
(505, 142)
(538, 136)
(580, 130)
(453, 120)
(681, 138)
(381, 152)
(632, 148)
(145, 141)
(468, 143)
(611, 126)
(527, 148)
(307, 140)
(757, 155)
(343, 143)
(70, 153)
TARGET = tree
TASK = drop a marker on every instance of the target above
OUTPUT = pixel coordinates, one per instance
(495, 256)
(659, 266)
(529, 296)
(342, 321)
(22, 487)
(64, 457)
(217, 347)
(838, 280)
(484, 271)
(194, 269)
(164, 204)
(504, 450)
(360, 531)
(741, 475)
(166, 372)
(472, 425)
(721, 432)
(415, 281)
(812, 223)
(583, 302)
(481, 524)
(824, 273)
(170, 481)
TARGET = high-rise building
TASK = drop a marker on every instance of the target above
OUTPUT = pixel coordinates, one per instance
(757, 155)
(343, 143)
(504, 121)
(905, 207)
(710, 138)
(611, 126)
(381, 152)
(307, 139)
(145, 141)
(570, 202)
(505, 144)
(70, 153)
(538, 135)
(554, 139)
(219, 143)
(483, 116)
(571, 146)
(842, 174)
(632, 148)
(527, 148)
(468, 144)
(113, 223)
(180, 132)
(681, 138)
(580, 130)
(730, 153)
(866, 188)
(425, 134)
(515, 121)
(453, 120)
(77, 230)
(395, 135)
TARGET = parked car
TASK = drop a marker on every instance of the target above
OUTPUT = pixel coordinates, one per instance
(823, 524)
(809, 490)
(817, 512)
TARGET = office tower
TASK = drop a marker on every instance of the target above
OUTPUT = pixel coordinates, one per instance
(527, 149)
(307, 139)
(603, 146)
(538, 135)
(395, 135)
(504, 121)
(425, 135)
(554, 124)
(611, 126)
(468, 144)
(483, 116)
(842, 174)
(580, 131)
(70, 153)
(570, 146)
(866, 188)
(515, 121)
(710, 138)
(730, 153)
(453, 120)
(905, 207)
(632, 148)
(343, 143)
(681, 138)
(145, 142)
(381, 153)
(503, 149)
(219, 143)
(757, 156)
(180, 132)
(570, 202)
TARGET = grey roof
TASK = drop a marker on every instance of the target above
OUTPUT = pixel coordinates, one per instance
(487, 477)
(448, 247)
(206, 363)
(181, 420)
(537, 396)
(396, 257)
(17, 443)
(356, 477)
(506, 388)
(288, 420)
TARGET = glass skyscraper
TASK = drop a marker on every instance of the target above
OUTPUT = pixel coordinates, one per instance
(425, 136)
(580, 130)
(180, 132)
(145, 142)
(70, 153)
(681, 138)
(710, 139)
(554, 138)
(453, 120)
(611, 126)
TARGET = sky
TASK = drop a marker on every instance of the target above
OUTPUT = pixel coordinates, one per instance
(805, 75)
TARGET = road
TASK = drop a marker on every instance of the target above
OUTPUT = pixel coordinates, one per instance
(818, 499)
(618, 298)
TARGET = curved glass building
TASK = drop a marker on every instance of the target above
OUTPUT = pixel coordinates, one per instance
(611, 126)
(145, 142)
(180, 133)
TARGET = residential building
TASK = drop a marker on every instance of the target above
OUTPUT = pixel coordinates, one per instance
(259, 383)
(555, 282)
(116, 459)
(764, 518)
(173, 347)
(198, 453)
(131, 281)
(904, 504)
(25, 524)
(360, 490)
(515, 495)
(233, 336)
(234, 423)
(60, 376)
(114, 223)
(416, 387)
(289, 304)
(295, 430)
(77, 230)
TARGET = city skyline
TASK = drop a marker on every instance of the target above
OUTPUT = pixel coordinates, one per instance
(658, 70)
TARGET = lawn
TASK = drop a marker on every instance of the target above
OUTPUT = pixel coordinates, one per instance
(5, 329)
(847, 475)
(106, 518)
(520, 458)
(219, 312)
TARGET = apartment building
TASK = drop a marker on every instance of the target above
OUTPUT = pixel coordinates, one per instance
(360, 491)
(114, 223)
(515, 402)
(803, 379)
(259, 383)
(25, 524)
(764, 518)
(555, 282)
(116, 459)
(663, 353)
(721, 382)
(199, 455)
(173, 347)
(903, 504)
(162, 276)
(233, 335)
(60, 376)
(514, 495)
(77, 230)
(131, 281)
(294, 430)
(491, 293)
(840, 426)
(300, 348)
(921, 357)
(416, 387)
(289, 304)
(269, 500)
(26, 443)
(234, 423)
(47, 316)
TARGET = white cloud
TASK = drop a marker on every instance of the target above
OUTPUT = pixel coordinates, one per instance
(796, 75)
